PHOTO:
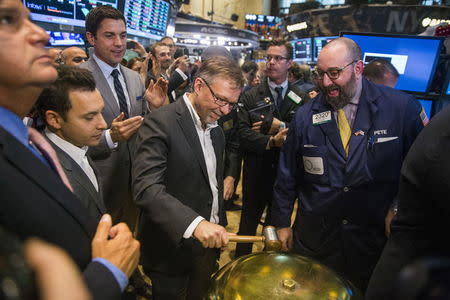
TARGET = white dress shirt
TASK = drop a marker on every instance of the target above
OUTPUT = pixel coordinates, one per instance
(76, 153)
(204, 136)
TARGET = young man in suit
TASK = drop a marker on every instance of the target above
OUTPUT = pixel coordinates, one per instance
(123, 93)
(178, 183)
(71, 108)
(36, 199)
(263, 120)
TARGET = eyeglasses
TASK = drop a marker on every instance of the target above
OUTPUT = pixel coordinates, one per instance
(277, 58)
(332, 73)
(219, 101)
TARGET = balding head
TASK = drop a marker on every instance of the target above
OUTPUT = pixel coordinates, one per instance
(339, 71)
(73, 56)
(352, 51)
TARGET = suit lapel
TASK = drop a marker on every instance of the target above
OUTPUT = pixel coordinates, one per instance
(28, 164)
(187, 126)
(330, 128)
(104, 88)
(74, 172)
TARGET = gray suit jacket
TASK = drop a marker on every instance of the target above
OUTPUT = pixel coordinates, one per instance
(115, 166)
(81, 184)
(171, 186)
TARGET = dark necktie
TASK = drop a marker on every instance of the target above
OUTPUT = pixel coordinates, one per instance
(279, 100)
(120, 94)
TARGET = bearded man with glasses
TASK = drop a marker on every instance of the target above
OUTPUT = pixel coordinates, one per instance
(342, 160)
(264, 118)
(178, 183)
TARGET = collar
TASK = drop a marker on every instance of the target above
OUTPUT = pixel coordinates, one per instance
(76, 153)
(195, 116)
(14, 125)
(104, 67)
(273, 85)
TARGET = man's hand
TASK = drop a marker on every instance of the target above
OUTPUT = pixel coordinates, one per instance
(156, 93)
(57, 276)
(285, 237)
(211, 235)
(116, 244)
(257, 126)
(156, 67)
(275, 126)
(279, 138)
(183, 63)
(122, 130)
(388, 220)
(228, 187)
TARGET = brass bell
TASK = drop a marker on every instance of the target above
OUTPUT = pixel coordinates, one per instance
(274, 276)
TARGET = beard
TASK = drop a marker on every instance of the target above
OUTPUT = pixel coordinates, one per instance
(346, 93)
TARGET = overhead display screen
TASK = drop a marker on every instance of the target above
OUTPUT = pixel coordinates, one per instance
(414, 57)
(147, 18)
(66, 12)
(302, 50)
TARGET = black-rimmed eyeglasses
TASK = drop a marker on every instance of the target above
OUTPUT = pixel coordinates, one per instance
(332, 73)
(219, 101)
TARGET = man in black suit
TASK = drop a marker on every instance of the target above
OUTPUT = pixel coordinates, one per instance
(263, 120)
(71, 108)
(35, 201)
(178, 183)
(422, 221)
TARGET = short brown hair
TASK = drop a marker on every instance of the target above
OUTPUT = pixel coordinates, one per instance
(286, 44)
(56, 96)
(221, 66)
(98, 14)
(157, 44)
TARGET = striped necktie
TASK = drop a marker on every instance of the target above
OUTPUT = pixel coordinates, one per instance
(120, 94)
(344, 129)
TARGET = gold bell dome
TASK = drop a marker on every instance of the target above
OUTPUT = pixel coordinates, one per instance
(278, 276)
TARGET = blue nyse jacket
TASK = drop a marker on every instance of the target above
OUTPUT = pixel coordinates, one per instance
(343, 201)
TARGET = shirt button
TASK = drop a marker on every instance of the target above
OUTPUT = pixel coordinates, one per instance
(346, 189)
(345, 222)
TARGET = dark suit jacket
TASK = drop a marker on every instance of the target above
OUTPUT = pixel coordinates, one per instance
(115, 166)
(260, 164)
(81, 184)
(421, 226)
(171, 186)
(35, 202)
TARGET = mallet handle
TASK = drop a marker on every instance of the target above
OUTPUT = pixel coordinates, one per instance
(245, 238)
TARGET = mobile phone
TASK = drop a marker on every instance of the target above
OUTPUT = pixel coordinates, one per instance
(131, 44)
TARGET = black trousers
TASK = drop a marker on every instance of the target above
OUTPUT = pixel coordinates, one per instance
(192, 285)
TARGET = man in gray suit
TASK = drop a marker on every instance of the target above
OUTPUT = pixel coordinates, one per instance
(71, 108)
(178, 183)
(123, 93)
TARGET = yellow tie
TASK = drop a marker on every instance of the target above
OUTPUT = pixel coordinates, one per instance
(344, 129)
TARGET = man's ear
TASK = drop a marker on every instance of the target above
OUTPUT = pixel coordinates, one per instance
(91, 38)
(197, 84)
(359, 68)
(53, 119)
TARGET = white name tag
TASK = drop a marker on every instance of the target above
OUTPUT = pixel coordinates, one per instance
(386, 139)
(313, 165)
(320, 118)
(294, 97)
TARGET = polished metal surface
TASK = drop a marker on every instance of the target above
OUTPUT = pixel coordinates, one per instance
(274, 275)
